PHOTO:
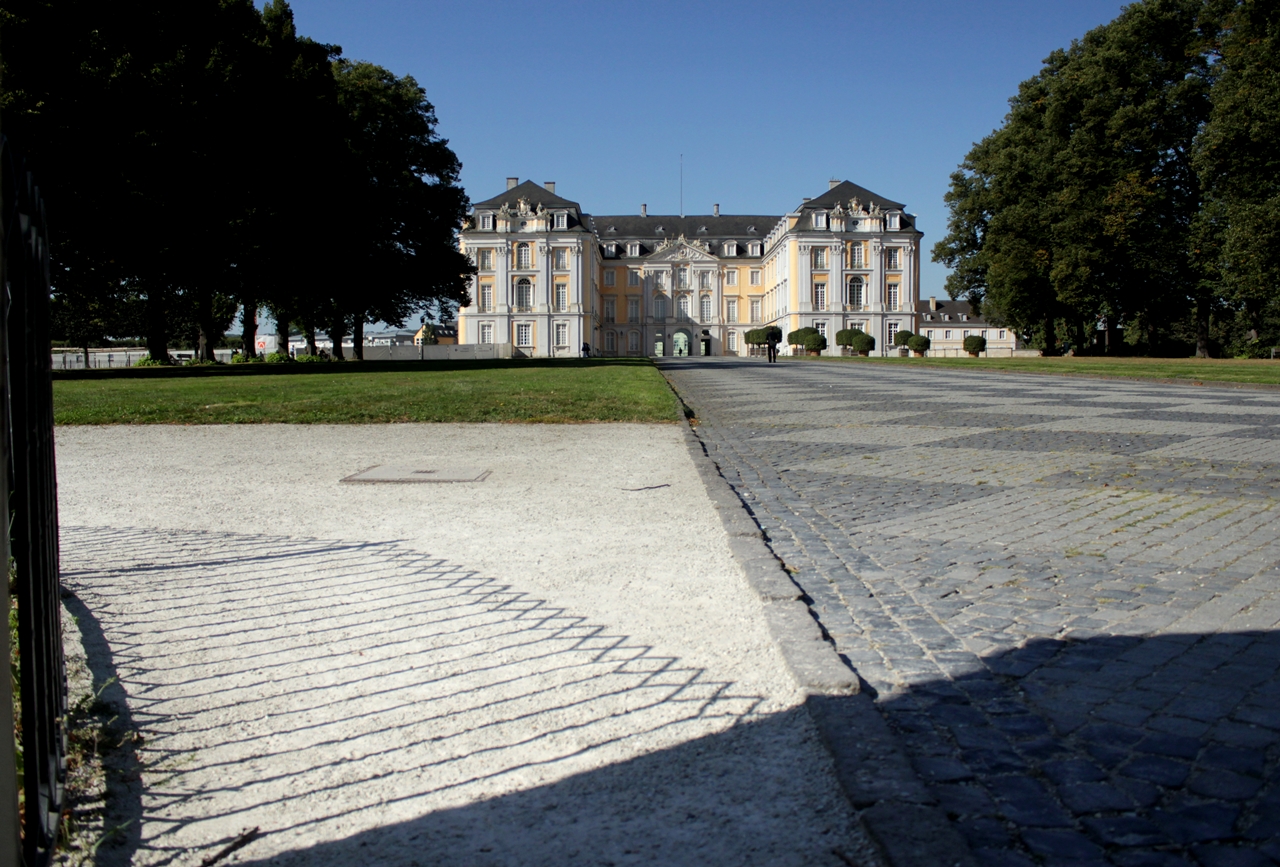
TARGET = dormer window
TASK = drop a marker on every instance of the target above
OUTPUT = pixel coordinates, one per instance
(658, 230)
(702, 230)
(612, 230)
(562, 220)
(751, 230)
(819, 220)
(731, 248)
(486, 222)
(611, 249)
(754, 248)
(893, 221)
(633, 249)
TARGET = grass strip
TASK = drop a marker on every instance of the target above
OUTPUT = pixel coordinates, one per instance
(523, 391)
(1198, 371)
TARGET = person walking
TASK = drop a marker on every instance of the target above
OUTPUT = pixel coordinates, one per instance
(772, 344)
(586, 350)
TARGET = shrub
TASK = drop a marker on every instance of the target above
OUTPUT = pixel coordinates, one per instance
(197, 362)
(975, 343)
(760, 336)
(800, 335)
(310, 359)
(919, 343)
(902, 338)
(278, 358)
(814, 342)
(148, 361)
(861, 341)
(241, 358)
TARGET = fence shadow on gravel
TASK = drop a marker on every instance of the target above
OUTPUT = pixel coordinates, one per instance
(317, 690)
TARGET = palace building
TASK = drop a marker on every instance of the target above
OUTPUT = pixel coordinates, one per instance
(551, 278)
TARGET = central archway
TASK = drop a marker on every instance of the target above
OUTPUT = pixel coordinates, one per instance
(680, 343)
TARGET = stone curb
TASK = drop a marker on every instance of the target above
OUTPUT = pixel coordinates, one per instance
(892, 803)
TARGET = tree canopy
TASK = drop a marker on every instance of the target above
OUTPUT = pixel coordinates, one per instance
(204, 157)
(1127, 201)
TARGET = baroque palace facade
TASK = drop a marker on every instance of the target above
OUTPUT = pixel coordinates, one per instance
(551, 278)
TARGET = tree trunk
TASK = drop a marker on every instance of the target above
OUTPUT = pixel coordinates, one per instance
(86, 356)
(282, 332)
(157, 329)
(207, 337)
(1050, 336)
(357, 337)
(309, 331)
(249, 319)
(337, 331)
(1202, 327)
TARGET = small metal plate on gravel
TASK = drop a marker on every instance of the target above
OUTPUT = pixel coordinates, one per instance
(413, 474)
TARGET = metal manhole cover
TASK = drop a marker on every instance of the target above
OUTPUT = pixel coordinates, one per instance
(412, 474)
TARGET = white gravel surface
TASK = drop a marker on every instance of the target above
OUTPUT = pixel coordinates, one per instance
(557, 665)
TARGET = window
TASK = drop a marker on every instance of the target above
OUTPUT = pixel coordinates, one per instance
(610, 277)
(731, 277)
(633, 309)
(682, 278)
(819, 256)
(1002, 336)
(562, 258)
(753, 248)
(486, 298)
(855, 256)
(984, 334)
(891, 296)
(524, 295)
(704, 308)
(659, 281)
(562, 298)
(633, 278)
(486, 221)
(730, 248)
(732, 305)
(704, 280)
(854, 296)
(733, 341)
(524, 334)
(819, 220)
(486, 332)
(682, 308)
(893, 221)
(562, 334)
(929, 334)
(946, 335)
(755, 309)
(890, 331)
(891, 258)
(524, 258)
(660, 306)
(822, 327)
(486, 260)
(633, 249)
(755, 277)
(819, 296)
(966, 332)
(610, 342)
(562, 221)
(611, 249)
(633, 341)
(610, 310)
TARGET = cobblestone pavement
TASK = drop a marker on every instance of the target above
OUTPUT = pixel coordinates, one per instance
(1062, 592)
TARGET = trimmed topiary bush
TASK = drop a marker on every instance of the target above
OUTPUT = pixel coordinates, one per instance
(800, 335)
(902, 338)
(814, 342)
(861, 342)
(974, 344)
(919, 344)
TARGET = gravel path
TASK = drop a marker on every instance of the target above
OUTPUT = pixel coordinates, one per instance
(558, 665)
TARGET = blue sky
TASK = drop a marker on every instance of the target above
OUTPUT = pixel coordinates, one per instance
(766, 101)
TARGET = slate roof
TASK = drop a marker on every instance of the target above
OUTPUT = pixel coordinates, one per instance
(537, 194)
(954, 309)
(735, 226)
(843, 192)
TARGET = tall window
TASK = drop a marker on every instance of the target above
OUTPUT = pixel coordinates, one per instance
(610, 342)
(524, 294)
(704, 280)
(660, 307)
(822, 327)
(610, 309)
(610, 277)
(562, 334)
(755, 309)
(705, 309)
(682, 278)
(524, 258)
(819, 255)
(854, 296)
(891, 296)
(562, 258)
(633, 309)
(633, 341)
(659, 281)
(682, 308)
(732, 311)
(731, 277)
(819, 296)
(755, 277)
(890, 330)
(891, 258)
(633, 278)
(486, 332)
(524, 334)
(486, 298)
(486, 260)
(855, 256)
(733, 341)
(562, 297)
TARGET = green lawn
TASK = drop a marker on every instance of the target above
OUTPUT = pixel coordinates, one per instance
(559, 391)
(1191, 370)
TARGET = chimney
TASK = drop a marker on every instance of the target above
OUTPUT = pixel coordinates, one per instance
(806, 198)
(933, 302)
(644, 210)
(832, 184)
(512, 183)
(715, 210)
(551, 186)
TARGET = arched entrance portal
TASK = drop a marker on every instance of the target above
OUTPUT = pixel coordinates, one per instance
(658, 347)
(680, 343)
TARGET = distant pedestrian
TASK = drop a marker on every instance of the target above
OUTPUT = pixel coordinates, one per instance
(586, 350)
(773, 348)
